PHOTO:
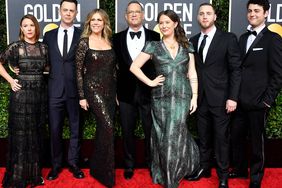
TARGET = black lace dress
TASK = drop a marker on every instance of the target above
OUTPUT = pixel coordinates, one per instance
(27, 114)
(97, 84)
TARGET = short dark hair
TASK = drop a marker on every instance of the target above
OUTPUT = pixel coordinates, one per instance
(134, 2)
(264, 3)
(70, 1)
(207, 4)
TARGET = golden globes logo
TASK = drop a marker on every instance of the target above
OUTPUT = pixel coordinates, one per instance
(275, 28)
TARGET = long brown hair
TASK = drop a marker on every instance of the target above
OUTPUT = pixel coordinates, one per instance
(36, 24)
(179, 32)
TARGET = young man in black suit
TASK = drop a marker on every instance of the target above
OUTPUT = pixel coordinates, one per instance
(261, 52)
(218, 67)
(133, 96)
(62, 89)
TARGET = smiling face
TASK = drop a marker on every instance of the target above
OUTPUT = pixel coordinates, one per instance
(206, 17)
(97, 23)
(256, 15)
(68, 13)
(134, 15)
(28, 30)
(166, 25)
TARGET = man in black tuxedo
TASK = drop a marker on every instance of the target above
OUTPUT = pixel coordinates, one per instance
(62, 89)
(218, 67)
(133, 96)
(261, 52)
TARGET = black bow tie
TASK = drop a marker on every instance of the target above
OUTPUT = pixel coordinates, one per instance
(132, 34)
(252, 33)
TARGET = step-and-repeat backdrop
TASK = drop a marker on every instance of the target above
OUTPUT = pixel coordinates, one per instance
(238, 16)
(186, 10)
(46, 12)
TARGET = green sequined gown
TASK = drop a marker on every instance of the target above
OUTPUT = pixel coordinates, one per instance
(174, 151)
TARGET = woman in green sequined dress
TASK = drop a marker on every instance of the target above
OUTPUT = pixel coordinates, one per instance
(174, 96)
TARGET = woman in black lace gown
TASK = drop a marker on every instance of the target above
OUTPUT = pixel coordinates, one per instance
(27, 108)
(95, 60)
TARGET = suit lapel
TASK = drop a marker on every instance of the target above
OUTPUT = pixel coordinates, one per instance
(124, 46)
(76, 35)
(56, 42)
(259, 36)
(213, 45)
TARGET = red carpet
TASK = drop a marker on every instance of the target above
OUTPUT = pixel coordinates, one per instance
(141, 179)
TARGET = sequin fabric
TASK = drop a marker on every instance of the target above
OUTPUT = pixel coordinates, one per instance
(97, 84)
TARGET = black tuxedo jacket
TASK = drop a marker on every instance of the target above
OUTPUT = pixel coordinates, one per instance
(62, 72)
(219, 77)
(126, 81)
(261, 69)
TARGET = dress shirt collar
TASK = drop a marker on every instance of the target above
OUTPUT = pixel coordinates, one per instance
(258, 29)
(141, 29)
(210, 34)
(70, 29)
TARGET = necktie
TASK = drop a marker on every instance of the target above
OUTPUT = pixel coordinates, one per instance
(202, 45)
(65, 46)
(132, 34)
(252, 33)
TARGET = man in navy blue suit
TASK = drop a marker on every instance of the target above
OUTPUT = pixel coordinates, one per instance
(62, 89)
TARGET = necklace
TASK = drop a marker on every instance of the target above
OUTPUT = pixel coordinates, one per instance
(171, 45)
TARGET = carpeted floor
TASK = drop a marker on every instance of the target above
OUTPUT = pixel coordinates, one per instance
(141, 179)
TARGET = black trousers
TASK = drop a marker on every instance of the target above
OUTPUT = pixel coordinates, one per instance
(213, 130)
(129, 115)
(249, 123)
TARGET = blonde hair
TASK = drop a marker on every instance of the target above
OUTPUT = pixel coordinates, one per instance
(107, 31)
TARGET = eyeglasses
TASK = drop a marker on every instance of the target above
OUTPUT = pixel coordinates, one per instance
(134, 12)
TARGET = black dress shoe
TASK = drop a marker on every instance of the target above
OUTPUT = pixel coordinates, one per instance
(54, 173)
(254, 185)
(238, 174)
(198, 175)
(128, 173)
(223, 184)
(41, 181)
(76, 172)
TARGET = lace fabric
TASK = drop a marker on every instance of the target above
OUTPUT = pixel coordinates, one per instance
(27, 114)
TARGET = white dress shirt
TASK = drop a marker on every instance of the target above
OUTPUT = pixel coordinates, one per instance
(251, 38)
(135, 45)
(61, 34)
(208, 42)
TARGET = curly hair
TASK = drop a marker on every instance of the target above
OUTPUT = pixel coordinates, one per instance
(107, 31)
(179, 32)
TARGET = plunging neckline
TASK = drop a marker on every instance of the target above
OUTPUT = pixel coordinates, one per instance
(170, 55)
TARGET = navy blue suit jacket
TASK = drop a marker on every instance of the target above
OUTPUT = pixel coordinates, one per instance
(62, 74)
